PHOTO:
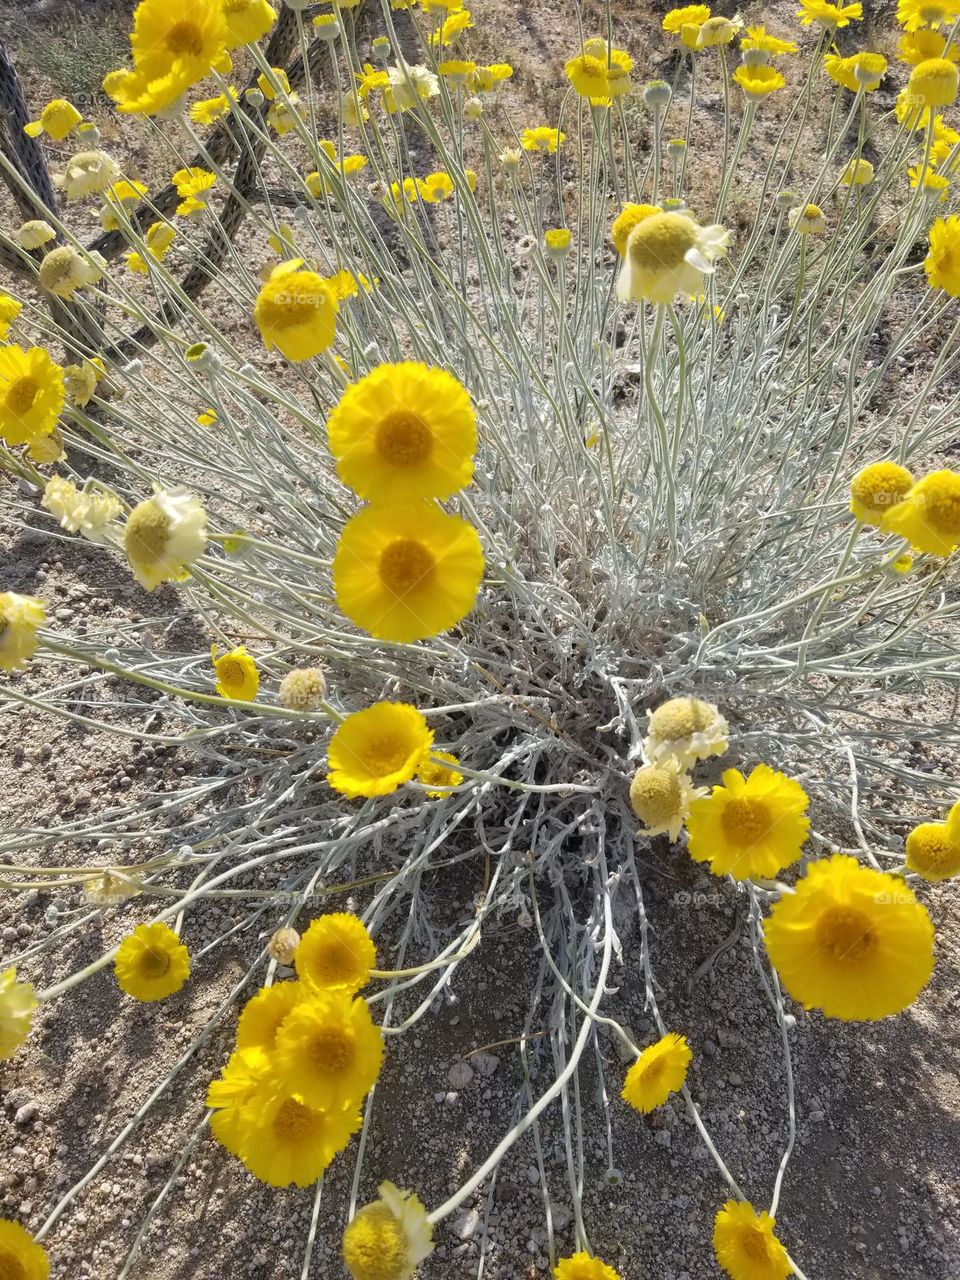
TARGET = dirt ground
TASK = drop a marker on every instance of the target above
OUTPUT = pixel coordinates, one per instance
(873, 1191)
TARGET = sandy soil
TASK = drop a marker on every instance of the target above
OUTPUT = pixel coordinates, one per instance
(872, 1191)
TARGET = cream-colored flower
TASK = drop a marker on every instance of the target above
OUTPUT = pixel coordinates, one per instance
(163, 537)
(88, 173)
(81, 511)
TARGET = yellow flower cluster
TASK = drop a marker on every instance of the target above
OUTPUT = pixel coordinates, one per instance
(926, 512)
(600, 72)
(307, 1053)
(376, 750)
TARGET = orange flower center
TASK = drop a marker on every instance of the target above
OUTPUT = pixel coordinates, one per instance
(185, 38)
(403, 439)
(755, 1245)
(385, 755)
(405, 564)
(22, 395)
(745, 820)
(845, 934)
(229, 672)
(293, 1122)
(331, 1051)
(334, 962)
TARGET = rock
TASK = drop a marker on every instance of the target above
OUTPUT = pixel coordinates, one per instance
(460, 1075)
(467, 1224)
(484, 1063)
(25, 1114)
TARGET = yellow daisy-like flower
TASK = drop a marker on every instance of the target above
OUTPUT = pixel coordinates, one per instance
(660, 796)
(228, 1096)
(858, 173)
(404, 431)
(21, 1258)
(860, 71)
(659, 1071)
(136, 93)
(745, 1245)
(237, 675)
(388, 1239)
(264, 1013)
(63, 271)
(850, 941)
(85, 511)
(151, 963)
(336, 953)
(210, 110)
(877, 488)
(828, 15)
(436, 187)
(556, 242)
(375, 750)
(582, 1266)
(123, 196)
(667, 254)
(916, 14)
(807, 220)
(717, 31)
(406, 571)
(688, 729)
(177, 38)
(192, 184)
(329, 1051)
(434, 774)
(942, 263)
(10, 308)
(749, 826)
(296, 312)
(282, 1141)
(542, 138)
(918, 46)
(247, 21)
(685, 16)
(164, 535)
(628, 217)
(933, 848)
(929, 515)
(58, 119)
(758, 40)
(758, 81)
(933, 83)
(31, 394)
(17, 1004)
(588, 75)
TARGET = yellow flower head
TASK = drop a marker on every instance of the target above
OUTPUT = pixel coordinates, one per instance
(281, 1140)
(32, 394)
(303, 689)
(88, 512)
(10, 308)
(247, 21)
(916, 14)
(436, 187)
(557, 242)
(237, 675)
(933, 848)
(745, 1245)
(858, 173)
(933, 83)
(17, 1004)
(404, 431)
(667, 254)
(58, 118)
(583, 1266)
(850, 941)
(264, 1014)
(757, 40)
(375, 750)
(151, 963)
(687, 15)
(942, 263)
(749, 826)
(210, 110)
(329, 1051)
(229, 1095)
(21, 1258)
(626, 220)
(433, 774)
(64, 270)
(178, 39)
(717, 31)
(807, 220)
(929, 515)
(828, 15)
(588, 75)
(758, 81)
(860, 71)
(688, 729)
(336, 953)
(296, 312)
(406, 571)
(542, 139)
(920, 45)
(877, 488)
(660, 796)
(659, 1071)
(164, 535)
(388, 1239)
(35, 233)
